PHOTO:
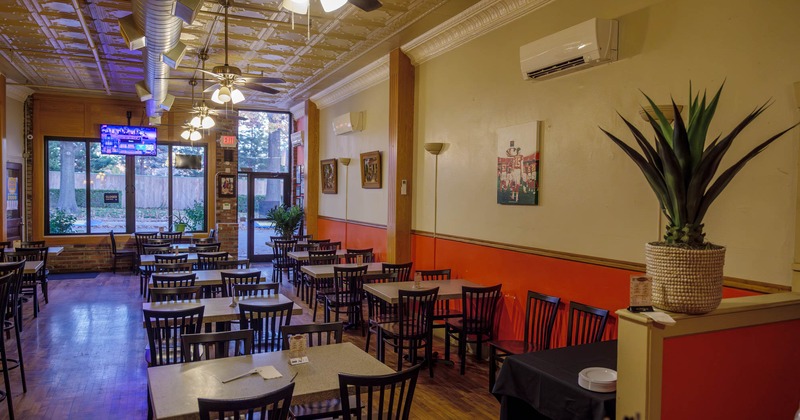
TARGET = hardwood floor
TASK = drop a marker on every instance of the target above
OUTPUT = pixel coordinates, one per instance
(84, 358)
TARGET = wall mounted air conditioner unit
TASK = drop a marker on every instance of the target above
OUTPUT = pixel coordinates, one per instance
(347, 123)
(584, 45)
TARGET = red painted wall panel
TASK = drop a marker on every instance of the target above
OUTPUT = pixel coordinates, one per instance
(741, 373)
(354, 236)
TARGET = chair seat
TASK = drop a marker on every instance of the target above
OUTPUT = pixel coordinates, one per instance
(322, 409)
(342, 299)
(392, 329)
(513, 346)
(383, 318)
(457, 324)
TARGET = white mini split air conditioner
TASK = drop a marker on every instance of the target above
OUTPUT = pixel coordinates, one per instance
(349, 122)
(584, 45)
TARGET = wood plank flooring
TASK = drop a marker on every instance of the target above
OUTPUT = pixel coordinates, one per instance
(84, 359)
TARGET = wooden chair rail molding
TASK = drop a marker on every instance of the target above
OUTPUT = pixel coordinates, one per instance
(736, 283)
(352, 222)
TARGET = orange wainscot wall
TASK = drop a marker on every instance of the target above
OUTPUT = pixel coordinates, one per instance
(357, 236)
(707, 371)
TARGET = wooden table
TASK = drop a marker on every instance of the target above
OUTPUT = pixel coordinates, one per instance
(174, 389)
(211, 277)
(219, 309)
(448, 289)
(151, 259)
(326, 271)
(33, 267)
(51, 250)
(303, 255)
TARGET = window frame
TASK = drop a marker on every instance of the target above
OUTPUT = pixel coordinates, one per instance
(130, 185)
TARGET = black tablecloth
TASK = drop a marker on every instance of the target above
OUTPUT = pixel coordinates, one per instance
(545, 383)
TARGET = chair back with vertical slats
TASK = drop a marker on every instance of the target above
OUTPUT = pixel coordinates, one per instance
(173, 279)
(415, 313)
(540, 316)
(172, 294)
(266, 323)
(273, 406)
(233, 264)
(442, 310)
(141, 239)
(206, 247)
(210, 260)
(216, 345)
(586, 324)
(260, 289)
(281, 248)
(382, 396)
(403, 271)
(32, 244)
(150, 249)
(229, 279)
(479, 309)
(158, 241)
(316, 334)
(173, 267)
(173, 237)
(351, 257)
(330, 245)
(164, 331)
(171, 259)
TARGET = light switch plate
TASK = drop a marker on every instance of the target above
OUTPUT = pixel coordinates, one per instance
(403, 187)
(226, 206)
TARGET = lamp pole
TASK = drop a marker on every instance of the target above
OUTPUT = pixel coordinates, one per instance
(346, 162)
(435, 149)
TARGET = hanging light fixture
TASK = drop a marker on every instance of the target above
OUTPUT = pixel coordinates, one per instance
(191, 134)
(296, 6)
(202, 121)
(331, 5)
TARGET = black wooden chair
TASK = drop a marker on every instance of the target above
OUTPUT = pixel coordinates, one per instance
(352, 255)
(30, 282)
(281, 261)
(38, 252)
(164, 331)
(216, 345)
(233, 264)
(305, 282)
(379, 311)
(383, 396)
(210, 260)
(347, 295)
(586, 324)
(477, 322)
(13, 317)
(229, 279)
(255, 290)
(330, 245)
(273, 406)
(185, 267)
(540, 316)
(173, 279)
(319, 287)
(171, 294)
(443, 310)
(120, 254)
(151, 249)
(173, 237)
(413, 329)
(403, 270)
(171, 259)
(6, 292)
(206, 247)
(265, 321)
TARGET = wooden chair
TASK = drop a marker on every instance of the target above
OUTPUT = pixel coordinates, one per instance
(173, 280)
(141, 238)
(265, 321)
(347, 295)
(586, 324)
(118, 254)
(217, 345)
(478, 308)
(306, 282)
(378, 310)
(273, 406)
(171, 294)
(207, 247)
(382, 396)
(403, 271)
(173, 267)
(171, 259)
(173, 237)
(210, 260)
(443, 311)
(13, 316)
(260, 289)
(230, 279)
(164, 331)
(413, 329)
(159, 242)
(32, 244)
(30, 282)
(6, 292)
(152, 249)
(540, 316)
(281, 261)
(351, 257)
(233, 264)
(330, 245)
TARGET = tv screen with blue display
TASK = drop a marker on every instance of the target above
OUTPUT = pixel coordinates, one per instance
(128, 140)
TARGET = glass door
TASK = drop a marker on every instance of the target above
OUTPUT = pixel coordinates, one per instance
(264, 191)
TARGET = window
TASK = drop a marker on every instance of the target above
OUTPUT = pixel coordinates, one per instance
(264, 141)
(93, 193)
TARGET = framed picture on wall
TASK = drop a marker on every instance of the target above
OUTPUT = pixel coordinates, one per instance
(518, 164)
(330, 176)
(226, 186)
(371, 169)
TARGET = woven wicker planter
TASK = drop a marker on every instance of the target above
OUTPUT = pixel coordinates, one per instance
(685, 280)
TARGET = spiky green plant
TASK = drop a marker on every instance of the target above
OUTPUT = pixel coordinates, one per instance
(285, 219)
(680, 168)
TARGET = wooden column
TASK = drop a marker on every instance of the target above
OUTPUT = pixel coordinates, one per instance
(312, 168)
(3, 154)
(400, 157)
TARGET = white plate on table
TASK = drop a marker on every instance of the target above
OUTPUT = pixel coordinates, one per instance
(598, 379)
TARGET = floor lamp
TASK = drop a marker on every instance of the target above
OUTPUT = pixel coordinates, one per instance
(346, 162)
(435, 149)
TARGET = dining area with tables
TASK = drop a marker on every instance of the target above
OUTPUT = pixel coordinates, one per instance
(561, 209)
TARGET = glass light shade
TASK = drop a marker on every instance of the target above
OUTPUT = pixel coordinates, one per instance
(237, 96)
(195, 122)
(207, 123)
(195, 136)
(215, 97)
(185, 135)
(331, 5)
(296, 6)
(223, 94)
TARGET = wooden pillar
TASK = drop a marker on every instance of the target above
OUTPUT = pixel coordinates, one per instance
(400, 157)
(312, 168)
(226, 212)
(3, 154)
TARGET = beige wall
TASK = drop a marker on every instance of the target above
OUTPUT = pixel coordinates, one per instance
(15, 131)
(593, 199)
(364, 205)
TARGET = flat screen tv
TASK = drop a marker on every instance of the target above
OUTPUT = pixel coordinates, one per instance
(128, 140)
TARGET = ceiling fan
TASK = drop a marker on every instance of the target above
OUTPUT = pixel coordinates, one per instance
(301, 6)
(229, 78)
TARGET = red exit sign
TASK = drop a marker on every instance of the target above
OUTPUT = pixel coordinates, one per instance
(227, 141)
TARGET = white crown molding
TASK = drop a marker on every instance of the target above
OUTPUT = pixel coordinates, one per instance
(481, 18)
(298, 111)
(19, 93)
(371, 75)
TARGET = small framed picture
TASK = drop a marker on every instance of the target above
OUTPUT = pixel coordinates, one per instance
(226, 186)
(330, 176)
(371, 170)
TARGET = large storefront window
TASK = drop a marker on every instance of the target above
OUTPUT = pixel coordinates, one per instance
(91, 192)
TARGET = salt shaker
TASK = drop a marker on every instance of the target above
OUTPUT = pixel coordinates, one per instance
(359, 259)
(417, 280)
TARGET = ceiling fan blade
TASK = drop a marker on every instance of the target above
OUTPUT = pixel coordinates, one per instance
(215, 75)
(260, 88)
(211, 88)
(173, 78)
(366, 5)
(262, 80)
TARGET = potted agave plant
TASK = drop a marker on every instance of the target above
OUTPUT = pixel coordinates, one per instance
(681, 170)
(285, 220)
